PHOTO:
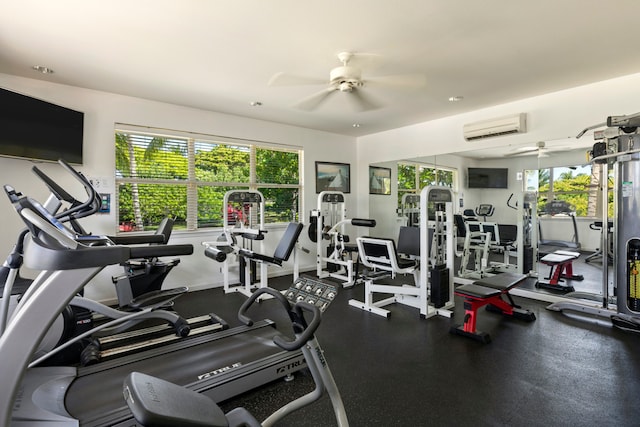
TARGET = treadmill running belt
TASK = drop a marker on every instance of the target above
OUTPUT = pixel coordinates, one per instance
(95, 398)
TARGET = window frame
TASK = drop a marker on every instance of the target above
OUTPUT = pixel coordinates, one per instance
(593, 189)
(418, 167)
(192, 183)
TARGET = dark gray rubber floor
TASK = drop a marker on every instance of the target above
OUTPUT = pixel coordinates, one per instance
(407, 371)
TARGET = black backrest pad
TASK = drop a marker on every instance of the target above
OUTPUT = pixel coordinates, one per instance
(377, 250)
(165, 228)
(409, 241)
(288, 241)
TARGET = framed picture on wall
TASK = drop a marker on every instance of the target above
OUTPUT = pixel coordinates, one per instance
(379, 180)
(333, 177)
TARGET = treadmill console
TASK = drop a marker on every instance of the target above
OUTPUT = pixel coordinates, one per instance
(313, 291)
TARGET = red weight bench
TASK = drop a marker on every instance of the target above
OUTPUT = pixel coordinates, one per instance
(492, 292)
(561, 267)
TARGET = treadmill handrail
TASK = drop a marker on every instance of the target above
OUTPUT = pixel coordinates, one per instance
(304, 331)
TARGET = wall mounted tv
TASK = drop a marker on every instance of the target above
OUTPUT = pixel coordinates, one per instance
(488, 177)
(34, 129)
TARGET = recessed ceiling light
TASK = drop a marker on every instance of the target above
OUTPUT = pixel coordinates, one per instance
(356, 125)
(456, 98)
(43, 70)
(255, 103)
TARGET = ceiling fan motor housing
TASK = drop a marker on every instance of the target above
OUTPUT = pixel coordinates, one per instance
(345, 78)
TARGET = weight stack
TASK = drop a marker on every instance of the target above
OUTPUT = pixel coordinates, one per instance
(439, 280)
(528, 259)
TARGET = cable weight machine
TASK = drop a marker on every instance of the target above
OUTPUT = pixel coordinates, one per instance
(437, 249)
(327, 223)
(620, 150)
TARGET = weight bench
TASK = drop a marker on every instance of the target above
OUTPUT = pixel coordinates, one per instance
(561, 267)
(492, 292)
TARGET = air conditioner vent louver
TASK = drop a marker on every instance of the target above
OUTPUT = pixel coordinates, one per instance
(496, 127)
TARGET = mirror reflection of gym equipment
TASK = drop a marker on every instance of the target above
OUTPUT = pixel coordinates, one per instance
(482, 239)
(409, 210)
(558, 208)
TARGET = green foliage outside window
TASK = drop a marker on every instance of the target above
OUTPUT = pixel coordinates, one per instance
(412, 178)
(579, 186)
(156, 177)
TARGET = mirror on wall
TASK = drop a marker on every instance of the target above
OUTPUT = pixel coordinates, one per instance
(563, 208)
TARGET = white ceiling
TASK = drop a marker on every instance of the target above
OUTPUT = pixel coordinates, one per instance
(220, 54)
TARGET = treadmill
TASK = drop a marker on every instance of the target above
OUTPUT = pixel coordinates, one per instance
(559, 207)
(219, 365)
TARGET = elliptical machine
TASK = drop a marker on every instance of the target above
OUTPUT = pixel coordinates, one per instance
(74, 336)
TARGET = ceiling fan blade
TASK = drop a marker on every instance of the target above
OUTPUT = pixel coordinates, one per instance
(284, 79)
(312, 102)
(364, 60)
(361, 101)
(523, 151)
(400, 80)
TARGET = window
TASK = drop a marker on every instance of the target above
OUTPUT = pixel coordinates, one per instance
(413, 177)
(185, 177)
(579, 186)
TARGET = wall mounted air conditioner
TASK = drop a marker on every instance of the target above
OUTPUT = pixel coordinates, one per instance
(516, 123)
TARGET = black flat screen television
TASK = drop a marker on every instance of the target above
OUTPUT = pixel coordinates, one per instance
(34, 129)
(488, 177)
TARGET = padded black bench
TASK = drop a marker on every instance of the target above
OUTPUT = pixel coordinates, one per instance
(380, 256)
(492, 292)
(561, 267)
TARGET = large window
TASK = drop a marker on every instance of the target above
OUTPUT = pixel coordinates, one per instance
(162, 174)
(579, 186)
(413, 177)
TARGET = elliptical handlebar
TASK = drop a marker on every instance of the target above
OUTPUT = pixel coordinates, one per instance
(304, 331)
(78, 209)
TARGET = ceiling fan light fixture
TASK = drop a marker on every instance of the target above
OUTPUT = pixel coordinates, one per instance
(345, 86)
(347, 78)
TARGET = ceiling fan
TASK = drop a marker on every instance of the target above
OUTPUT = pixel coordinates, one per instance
(347, 79)
(540, 149)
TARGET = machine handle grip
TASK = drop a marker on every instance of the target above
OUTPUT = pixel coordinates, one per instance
(307, 330)
(303, 331)
(59, 192)
(215, 253)
(137, 240)
(242, 313)
(363, 222)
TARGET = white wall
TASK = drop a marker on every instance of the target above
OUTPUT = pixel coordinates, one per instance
(550, 117)
(103, 110)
